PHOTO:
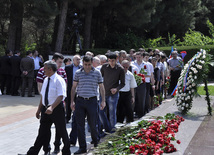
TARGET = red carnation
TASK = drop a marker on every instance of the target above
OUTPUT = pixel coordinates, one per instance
(144, 66)
(178, 141)
(135, 72)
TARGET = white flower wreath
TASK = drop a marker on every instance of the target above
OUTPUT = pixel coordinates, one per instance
(191, 75)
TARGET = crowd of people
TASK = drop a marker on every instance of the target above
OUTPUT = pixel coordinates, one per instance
(101, 88)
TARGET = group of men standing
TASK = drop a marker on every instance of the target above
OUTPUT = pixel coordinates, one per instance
(15, 70)
(115, 101)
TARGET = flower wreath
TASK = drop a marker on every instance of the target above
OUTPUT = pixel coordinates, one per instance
(193, 73)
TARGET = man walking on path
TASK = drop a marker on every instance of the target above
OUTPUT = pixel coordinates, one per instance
(127, 96)
(114, 80)
(86, 81)
(58, 58)
(52, 110)
(70, 71)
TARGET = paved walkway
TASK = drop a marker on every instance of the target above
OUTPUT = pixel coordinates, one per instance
(19, 126)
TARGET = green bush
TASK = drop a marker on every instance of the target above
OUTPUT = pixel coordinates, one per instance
(2, 50)
(196, 38)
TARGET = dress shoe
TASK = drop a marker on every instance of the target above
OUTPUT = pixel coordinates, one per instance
(95, 144)
(72, 144)
(47, 153)
(56, 150)
(21, 154)
(80, 151)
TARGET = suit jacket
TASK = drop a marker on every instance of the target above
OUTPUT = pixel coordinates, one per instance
(5, 65)
(69, 73)
(15, 64)
(27, 64)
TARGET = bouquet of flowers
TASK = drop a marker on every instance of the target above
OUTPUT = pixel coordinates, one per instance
(192, 74)
(140, 78)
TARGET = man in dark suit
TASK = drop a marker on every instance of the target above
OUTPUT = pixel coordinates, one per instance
(27, 69)
(70, 71)
(5, 71)
(16, 73)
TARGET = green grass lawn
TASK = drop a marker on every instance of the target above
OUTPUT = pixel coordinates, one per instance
(202, 92)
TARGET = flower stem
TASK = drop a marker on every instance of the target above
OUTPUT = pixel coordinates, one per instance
(207, 98)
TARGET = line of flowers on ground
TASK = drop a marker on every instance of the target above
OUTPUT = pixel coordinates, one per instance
(148, 137)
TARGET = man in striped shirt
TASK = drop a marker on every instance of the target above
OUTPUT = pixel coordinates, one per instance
(85, 84)
(58, 58)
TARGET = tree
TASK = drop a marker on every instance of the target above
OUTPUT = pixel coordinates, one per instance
(87, 6)
(116, 17)
(175, 16)
(15, 27)
(4, 18)
(61, 26)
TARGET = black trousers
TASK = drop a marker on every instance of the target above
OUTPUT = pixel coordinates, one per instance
(34, 82)
(174, 80)
(140, 99)
(87, 108)
(6, 81)
(124, 107)
(43, 138)
(15, 85)
(147, 102)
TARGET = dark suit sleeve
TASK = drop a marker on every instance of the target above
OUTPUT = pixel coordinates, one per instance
(32, 66)
(122, 79)
(21, 66)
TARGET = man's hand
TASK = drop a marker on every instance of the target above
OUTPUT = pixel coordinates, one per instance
(49, 110)
(72, 105)
(38, 114)
(156, 87)
(102, 105)
(133, 100)
(113, 90)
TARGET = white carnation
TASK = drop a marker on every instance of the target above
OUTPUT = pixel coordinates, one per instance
(187, 105)
(182, 108)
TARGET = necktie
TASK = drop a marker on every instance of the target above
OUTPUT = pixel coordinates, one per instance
(46, 93)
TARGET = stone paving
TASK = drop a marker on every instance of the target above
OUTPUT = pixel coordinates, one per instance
(19, 126)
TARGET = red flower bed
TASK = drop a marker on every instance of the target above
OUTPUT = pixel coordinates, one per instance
(156, 139)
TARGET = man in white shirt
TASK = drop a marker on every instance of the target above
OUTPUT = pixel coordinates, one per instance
(141, 89)
(126, 96)
(51, 109)
(37, 60)
(149, 81)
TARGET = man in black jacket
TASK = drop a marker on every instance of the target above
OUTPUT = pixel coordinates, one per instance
(70, 71)
(5, 72)
(16, 72)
